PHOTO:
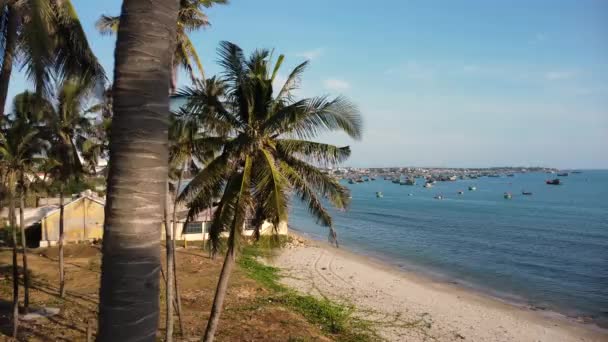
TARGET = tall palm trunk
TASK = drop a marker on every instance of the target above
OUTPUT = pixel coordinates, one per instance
(129, 301)
(174, 259)
(61, 236)
(9, 52)
(26, 276)
(12, 219)
(169, 300)
(220, 294)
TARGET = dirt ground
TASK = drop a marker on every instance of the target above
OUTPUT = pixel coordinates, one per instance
(245, 318)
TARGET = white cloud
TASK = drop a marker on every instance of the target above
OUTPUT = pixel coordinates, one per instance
(337, 85)
(311, 54)
(560, 75)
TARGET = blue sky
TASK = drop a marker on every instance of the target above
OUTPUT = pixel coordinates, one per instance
(440, 83)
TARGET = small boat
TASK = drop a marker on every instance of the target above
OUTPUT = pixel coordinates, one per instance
(576, 172)
(351, 181)
(439, 197)
(379, 194)
(508, 195)
(359, 180)
(396, 181)
(410, 194)
(373, 178)
(472, 188)
(563, 174)
(510, 175)
(555, 181)
(527, 193)
(428, 185)
(460, 192)
(493, 175)
(408, 181)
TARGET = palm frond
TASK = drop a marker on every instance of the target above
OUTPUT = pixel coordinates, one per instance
(307, 195)
(322, 183)
(272, 187)
(314, 151)
(107, 25)
(292, 82)
(309, 117)
(73, 56)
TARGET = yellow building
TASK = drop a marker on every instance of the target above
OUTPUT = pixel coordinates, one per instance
(82, 221)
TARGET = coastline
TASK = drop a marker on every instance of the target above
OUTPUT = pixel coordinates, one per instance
(405, 305)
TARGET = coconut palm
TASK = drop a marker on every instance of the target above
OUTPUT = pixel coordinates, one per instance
(191, 18)
(20, 143)
(67, 128)
(129, 301)
(187, 143)
(267, 155)
(46, 38)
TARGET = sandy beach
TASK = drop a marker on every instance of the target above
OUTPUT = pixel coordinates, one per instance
(410, 307)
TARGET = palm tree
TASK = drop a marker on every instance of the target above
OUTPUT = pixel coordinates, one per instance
(190, 18)
(19, 145)
(265, 157)
(186, 143)
(45, 37)
(67, 128)
(129, 302)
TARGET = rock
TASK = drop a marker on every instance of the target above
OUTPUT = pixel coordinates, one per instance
(40, 313)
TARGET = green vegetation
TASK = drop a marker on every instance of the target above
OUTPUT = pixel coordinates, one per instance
(336, 320)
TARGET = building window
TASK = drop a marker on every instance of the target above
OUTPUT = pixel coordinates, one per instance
(194, 228)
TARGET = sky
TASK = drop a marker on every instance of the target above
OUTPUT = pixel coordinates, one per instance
(458, 83)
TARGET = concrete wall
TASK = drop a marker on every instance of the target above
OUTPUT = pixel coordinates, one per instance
(267, 229)
(82, 221)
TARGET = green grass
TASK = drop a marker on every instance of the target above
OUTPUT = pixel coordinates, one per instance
(335, 320)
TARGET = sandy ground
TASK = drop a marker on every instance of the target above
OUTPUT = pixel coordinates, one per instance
(408, 307)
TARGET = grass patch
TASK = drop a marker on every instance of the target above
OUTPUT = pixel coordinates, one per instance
(335, 320)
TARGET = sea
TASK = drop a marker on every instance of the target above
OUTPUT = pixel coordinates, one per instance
(548, 251)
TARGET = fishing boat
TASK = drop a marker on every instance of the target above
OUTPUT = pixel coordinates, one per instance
(439, 197)
(555, 181)
(563, 174)
(527, 193)
(493, 175)
(472, 188)
(410, 194)
(510, 175)
(428, 185)
(408, 181)
(460, 192)
(507, 195)
(351, 181)
(379, 194)
(396, 181)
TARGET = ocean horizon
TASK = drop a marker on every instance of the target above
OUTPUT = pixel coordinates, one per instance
(547, 251)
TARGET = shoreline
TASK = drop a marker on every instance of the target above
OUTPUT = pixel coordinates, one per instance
(407, 304)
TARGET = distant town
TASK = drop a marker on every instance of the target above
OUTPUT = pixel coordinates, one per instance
(407, 175)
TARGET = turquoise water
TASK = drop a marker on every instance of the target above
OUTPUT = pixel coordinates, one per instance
(549, 250)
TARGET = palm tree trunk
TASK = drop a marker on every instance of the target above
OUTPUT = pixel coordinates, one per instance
(26, 276)
(12, 219)
(220, 295)
(137, 180)
(61, 236)
(169, 300)
(174, 259)
(9, 52)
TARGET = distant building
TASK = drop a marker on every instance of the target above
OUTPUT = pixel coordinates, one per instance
(82, 221)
